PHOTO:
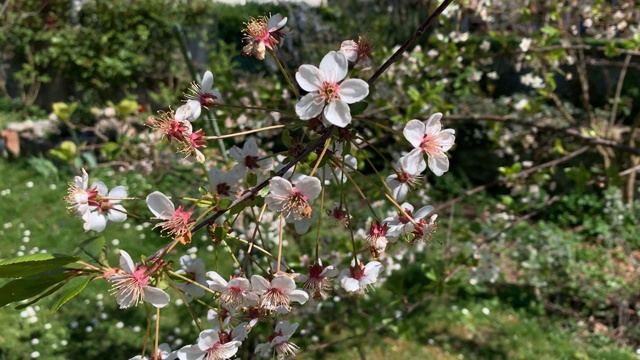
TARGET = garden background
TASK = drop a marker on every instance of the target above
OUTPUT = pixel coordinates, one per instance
(536, 255)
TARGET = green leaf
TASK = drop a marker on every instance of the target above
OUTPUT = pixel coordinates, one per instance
(358, 108)
(29, 265)
(95, 248)
(224, 203)
(286, 138)
(50, 291)
(78, 285)
(26, 288)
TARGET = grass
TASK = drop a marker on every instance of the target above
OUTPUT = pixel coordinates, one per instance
(91, 326)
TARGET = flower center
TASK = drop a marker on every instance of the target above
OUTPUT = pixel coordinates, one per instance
(274, 298)
(297, 208)
(329, 91)
(430, 145)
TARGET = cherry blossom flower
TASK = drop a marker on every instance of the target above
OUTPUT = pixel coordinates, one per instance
(190, 111)
(130, 284)
(164, 353)
(377, 239)
(168, 126)
(235, 293)
(327, 94)
(428, 138)
(191, 143)
(176, 221)
(319, 281)
(224, 184)
(294, 200)
(223, 318)
(277, 294)
(407, 176)
(194, 270)
(262, 34)
(357, 277)
(402, 224)
(78, 194)
(103, 205)
(203, 92)
(247, 157)
(279, 341)
(212, 345)
(358, 52)
(338, 216)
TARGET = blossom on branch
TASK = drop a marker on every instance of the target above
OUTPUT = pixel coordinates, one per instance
(427, 137)
(262, 34)
(358, 52)
(277, 295)
(279, 341)
(407, 176)
(294, 199)
(176, 221)
(235, 293)
(203, 93)
(328, 94)
(358, 276)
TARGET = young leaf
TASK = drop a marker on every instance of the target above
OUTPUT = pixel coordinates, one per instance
(78, 285)
(30, 265)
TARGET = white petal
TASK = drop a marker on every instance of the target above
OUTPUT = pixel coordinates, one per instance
(117, 213)
(423, 212)
(228, 349)
(280, 186)
(439, 165)
(283, 283)
(302, 226)
(160, 205)
(217, 283)
(100, 187)
(118, 192)
(350, 50)
(334, 66)
(237, 154)
(259, 284)
(207, 339)
(156, 297)
(299, 296)
(338, 113)
(414, 132)
(433, 125)
(309, 78)
(97, 222)
(350, 284)
(309, 106)
(415, 159)
(276, 22)
(413, 167)
(310, 187)
(353, 90)
(191, 352)
(207, 81)
(126, 263)
(400, 192)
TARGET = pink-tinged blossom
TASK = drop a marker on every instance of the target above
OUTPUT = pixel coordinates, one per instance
(131, 285)
(277, 295)
(279, 341)
(102, 205)
(192, 142)
(402, 224)
(176, 222)
(358, 52)
(203, 92)
(407, 176)
(236, 293)
(328, 94)
(194, 270)
(357, 277)
(263, 33)
(338, 216)
(224, 184)
(294, 200)
(164, 353)
(377, 239)
(213, 345)
(167, 125)
(248, 158)
(427, 137)
(319, 280)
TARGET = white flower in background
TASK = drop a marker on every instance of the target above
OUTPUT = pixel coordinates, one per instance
(294, 200)
(130, 283)
(334, 169)
(278, 294)
(492, 75)
(357, 277)
(357, 52)
(176, 221)
(103, 205)
(402, 224)
(194, 270)
(525, 44)
(327, 94)
(210, 346)
(248, 158)
(485, 45)
(432, 53)
(521, 104)
(224, 184)
(164, 353)
(237, 292)
(427, 137)
(279, 341)
(262, 34)
(407, 177)
(534, 81)
(486, 270)
(78, 194)
(203, 92)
